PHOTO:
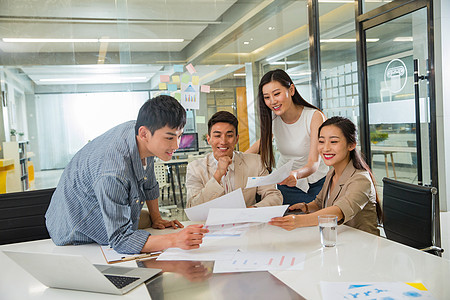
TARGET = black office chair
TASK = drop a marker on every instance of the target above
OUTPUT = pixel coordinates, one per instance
(411, 216)
(22, 216)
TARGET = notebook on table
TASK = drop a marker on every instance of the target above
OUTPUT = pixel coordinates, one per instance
(75, 272)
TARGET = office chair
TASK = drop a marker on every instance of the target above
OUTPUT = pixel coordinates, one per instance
(22, 216)
(411, 216)
(161, 178)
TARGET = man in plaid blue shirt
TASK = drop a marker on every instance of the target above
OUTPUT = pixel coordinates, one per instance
(104, 187)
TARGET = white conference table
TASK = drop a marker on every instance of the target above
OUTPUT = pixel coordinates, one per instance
(357, 257)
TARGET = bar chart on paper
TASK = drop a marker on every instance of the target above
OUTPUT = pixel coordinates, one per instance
(261, 261)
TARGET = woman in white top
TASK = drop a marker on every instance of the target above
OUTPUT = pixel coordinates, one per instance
(294, 124)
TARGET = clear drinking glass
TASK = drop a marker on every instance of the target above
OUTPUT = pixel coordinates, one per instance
(328, 230)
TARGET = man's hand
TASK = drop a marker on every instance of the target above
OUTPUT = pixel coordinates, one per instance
(160, 223)
(222, 167)
(189, 238)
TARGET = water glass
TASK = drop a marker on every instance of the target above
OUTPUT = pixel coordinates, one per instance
(328, 230)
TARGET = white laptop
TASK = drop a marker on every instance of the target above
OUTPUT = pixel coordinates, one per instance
(75, 272)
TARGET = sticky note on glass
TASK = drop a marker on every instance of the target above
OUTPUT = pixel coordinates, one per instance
(176, 78)
(185, 78)
(163, 86)
(200, 119)
(195, 80)
(164, 78)
(205, 88)
(177, 96)
(190, 68)
(172, 87)
(178, 68)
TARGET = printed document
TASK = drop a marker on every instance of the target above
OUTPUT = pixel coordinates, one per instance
(261, 261)
(374, 290)
(276, 176)
(219, 216)
(235, 199)
(210, 250)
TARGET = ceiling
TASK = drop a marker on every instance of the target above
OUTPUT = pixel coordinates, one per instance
(215, 34)
(218, 37)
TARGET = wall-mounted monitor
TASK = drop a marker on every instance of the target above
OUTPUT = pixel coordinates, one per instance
(189, 142)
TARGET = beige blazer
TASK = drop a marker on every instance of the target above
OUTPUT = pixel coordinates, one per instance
(202, 187)
(355, 195)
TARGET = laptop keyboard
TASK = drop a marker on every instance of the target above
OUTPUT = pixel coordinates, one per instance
(121, 281)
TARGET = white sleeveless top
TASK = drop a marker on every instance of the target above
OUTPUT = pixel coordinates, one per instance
(293, 142)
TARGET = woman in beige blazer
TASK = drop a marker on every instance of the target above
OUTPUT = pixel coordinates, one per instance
(348, 192)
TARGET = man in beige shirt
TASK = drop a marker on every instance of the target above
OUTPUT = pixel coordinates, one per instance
(225, 170)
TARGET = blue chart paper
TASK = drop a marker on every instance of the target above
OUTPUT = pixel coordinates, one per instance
(374, 291)
(178, 68)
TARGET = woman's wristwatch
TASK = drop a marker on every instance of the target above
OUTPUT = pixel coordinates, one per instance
(306, 208)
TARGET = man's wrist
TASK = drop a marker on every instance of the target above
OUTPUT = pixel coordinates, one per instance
(218, 175)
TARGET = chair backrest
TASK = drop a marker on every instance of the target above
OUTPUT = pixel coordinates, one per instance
(161, 173)
(22, 216)
(409, 213)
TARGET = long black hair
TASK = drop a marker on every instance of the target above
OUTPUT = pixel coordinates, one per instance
(349, 131)
(265, 114)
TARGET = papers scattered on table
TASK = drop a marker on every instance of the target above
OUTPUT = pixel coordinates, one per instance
(234, 199)
(374, 290)
(112, 256)
(276, 176)
(219, 216)
(261, 261)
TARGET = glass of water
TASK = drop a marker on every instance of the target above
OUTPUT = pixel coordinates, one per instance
(328, 230)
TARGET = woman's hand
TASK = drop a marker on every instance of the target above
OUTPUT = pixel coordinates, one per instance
(299, 206)
(291, 180)
(287, 222)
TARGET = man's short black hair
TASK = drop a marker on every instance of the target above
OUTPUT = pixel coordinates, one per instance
(223, 117)
(161, 111)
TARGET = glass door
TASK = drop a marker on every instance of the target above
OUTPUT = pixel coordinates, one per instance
(398, 98)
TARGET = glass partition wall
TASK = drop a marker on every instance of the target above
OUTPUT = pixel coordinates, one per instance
(70, 70)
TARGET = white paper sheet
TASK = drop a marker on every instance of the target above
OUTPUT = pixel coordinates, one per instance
(261, 261)
(227, 230)
(276, 176)
(372, 290)
(235, 199)
(210, 250)
(219, 216)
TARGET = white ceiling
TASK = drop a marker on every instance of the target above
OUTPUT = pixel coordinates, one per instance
(102, 19)
(219, 35)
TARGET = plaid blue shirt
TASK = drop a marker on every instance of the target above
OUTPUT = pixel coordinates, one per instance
(101, 193)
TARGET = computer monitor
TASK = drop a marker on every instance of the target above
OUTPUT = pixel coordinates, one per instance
(189, 142)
